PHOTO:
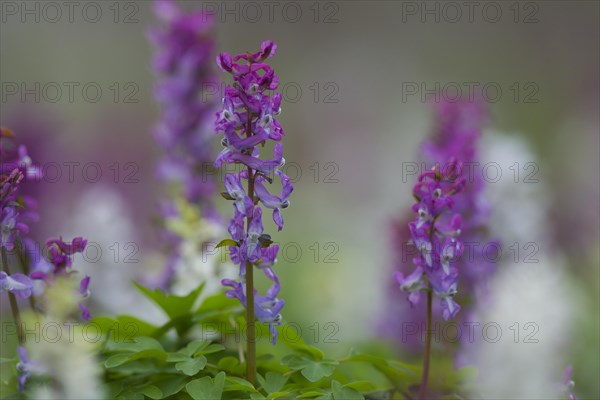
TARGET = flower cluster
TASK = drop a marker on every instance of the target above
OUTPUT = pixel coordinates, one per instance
(184, 48)
(183, 63)
(452, 148)
(60, 262)
(435, 234)
(16, 210)
(456, 136)
(247, 121)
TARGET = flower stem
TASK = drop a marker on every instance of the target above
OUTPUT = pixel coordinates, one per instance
(250, 324)
(14, 307)
(427, 356)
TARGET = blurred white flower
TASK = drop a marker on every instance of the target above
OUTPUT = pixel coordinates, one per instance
(113, 256)
(524, 323)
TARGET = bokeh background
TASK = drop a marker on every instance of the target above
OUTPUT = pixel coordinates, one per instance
(352, 123)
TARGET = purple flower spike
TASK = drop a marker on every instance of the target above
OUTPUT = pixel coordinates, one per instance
(184, 53)
(247, 120)
(436, 242)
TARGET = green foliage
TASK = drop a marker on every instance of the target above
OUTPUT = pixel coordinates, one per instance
(196, 355)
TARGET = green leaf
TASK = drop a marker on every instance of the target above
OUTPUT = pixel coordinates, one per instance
(192, 366)
(177, 357)
(393, 370)
(361, 386)
(326, 396)
(173, 306)
(211, 348)
(112, 389)
(131, 395)
(226, 242)
(215, 312)
(340, 392)
(265, 357)
(228, 363)
(116, 360)
(233, 383)
(310, 369)
(149, 353)
(296, 343)
(206, 388)
(272, 382)
(151, 391)
(136, 345)
(170, 384)
(193, 347)
(123, 328)
(295, 361)
(136, 367)
(276, 395)
(311, 394)
(317, 370)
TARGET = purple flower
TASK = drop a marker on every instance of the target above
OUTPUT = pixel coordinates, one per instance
(85, 292)
(236, 226)
(18, 284)
(26, 367)
(449, 199)
(233, 185)
(84, 286)
(434, 234)
(568, 383)
(16, 209)
(255, 230)
(413, 284)
(60, 252)
(185, 88)
(183, 58)
(247, 120)
(23, 367)
(85, 313)
(267, 308)
(275, 202)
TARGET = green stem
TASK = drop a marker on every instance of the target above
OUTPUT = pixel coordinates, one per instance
(14, 307)
(427, 356)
